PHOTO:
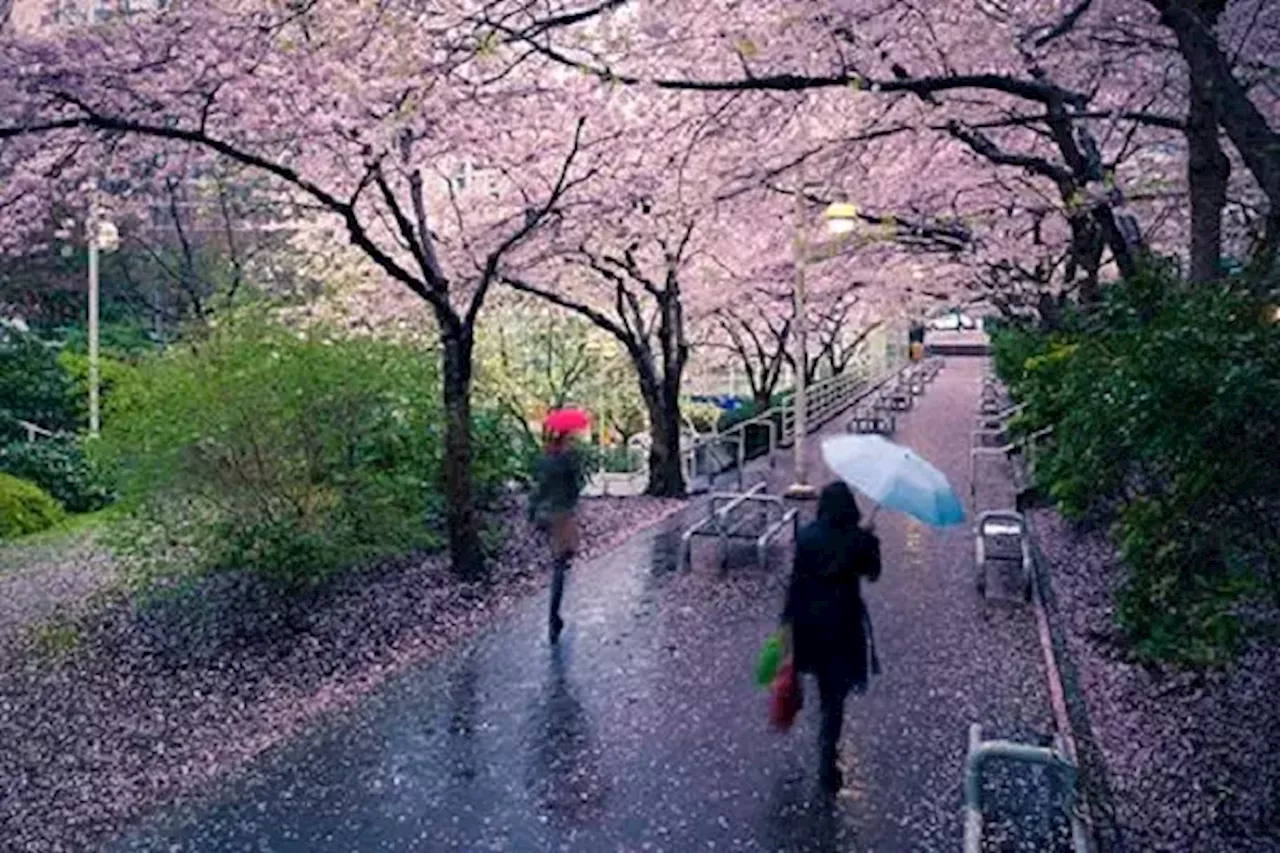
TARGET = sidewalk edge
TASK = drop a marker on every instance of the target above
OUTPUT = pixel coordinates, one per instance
(1071, 715)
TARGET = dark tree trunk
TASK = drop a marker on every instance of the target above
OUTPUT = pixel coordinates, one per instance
(1208, 171)
(465, 550)
(761, 400)
(1244, 124)
(666, 475)
(1049, 309)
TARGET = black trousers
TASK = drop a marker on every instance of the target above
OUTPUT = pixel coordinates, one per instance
(832, 691)
(559, 568)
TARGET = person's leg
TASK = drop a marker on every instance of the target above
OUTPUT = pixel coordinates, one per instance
(831, 695)
(559, 569)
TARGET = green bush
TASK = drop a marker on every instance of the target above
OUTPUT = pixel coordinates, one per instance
(111, 371)
(290, 455)
(1165, 404)
(33, 386)
(25, 508)
(59, 466)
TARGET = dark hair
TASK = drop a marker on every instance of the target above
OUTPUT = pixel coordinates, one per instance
(837, 505)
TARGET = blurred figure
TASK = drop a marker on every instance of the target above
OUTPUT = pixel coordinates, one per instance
(826, 627)
(559, 483)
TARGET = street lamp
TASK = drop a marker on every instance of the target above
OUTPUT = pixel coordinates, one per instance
(103, 235)
(841, 219)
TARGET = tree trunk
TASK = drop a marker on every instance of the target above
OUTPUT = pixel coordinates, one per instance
(1244, 124)
(761, 400)
(465, 550)
(1049, 309)
(666, 476)
(1208, 171)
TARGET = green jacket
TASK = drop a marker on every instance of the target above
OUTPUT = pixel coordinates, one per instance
(559, 482)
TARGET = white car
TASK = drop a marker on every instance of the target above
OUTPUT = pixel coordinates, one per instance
(952, 322)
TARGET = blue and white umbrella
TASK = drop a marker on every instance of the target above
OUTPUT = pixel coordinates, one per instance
(893, 476)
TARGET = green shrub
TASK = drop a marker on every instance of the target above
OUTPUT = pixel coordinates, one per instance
(33, 386)
(25, 508)
(111, 372)
(1184, 585)
(290, 455)
(59, 466)
(1165, 404)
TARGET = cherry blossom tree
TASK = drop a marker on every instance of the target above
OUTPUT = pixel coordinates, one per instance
(1219, 98)
(649, 253)
(756, 329)
(642, 283)
(1072, 99)
(364, 113)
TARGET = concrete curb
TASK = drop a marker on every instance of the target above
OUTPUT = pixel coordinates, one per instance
(1094, 800)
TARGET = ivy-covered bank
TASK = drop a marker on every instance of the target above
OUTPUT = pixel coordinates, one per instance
(1163, 400)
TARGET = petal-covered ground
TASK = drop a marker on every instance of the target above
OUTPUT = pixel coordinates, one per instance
(104, 718)
(1193, 759)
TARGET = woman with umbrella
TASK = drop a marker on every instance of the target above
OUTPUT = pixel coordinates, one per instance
(825, 620)
(559, 483)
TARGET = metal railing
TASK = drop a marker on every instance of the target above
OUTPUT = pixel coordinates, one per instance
(35, 430)
(1026, 445)
(981, 751)
(825, 399)
(750, 515)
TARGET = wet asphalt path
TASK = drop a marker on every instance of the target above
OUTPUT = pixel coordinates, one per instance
(645, 732)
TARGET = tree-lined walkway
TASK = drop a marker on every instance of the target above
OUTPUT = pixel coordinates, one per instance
(646, 732)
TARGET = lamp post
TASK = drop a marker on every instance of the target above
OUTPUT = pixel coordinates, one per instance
(841, 219)
(101, 235)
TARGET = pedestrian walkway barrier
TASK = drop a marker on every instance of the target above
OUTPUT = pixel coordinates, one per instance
(34, 431)
(898, 399)
(879, 415)
(1054, 758)
(1023, 477)
(825, 400)
(875, 416)
(1000, 539)
(713, 455)
(751, 515)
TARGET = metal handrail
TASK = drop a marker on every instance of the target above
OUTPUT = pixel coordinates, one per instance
(1026, 443)
(826, 398)
(981, 751)
(34, 430)
(1003, 416)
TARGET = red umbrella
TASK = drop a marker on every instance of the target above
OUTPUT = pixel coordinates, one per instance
(567, 420)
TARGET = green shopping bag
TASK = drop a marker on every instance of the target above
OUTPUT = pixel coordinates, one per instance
(770, 659)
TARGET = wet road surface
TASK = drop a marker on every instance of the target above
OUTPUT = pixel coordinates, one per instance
(645, 730)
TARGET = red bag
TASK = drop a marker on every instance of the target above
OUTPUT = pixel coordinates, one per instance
(787, 699)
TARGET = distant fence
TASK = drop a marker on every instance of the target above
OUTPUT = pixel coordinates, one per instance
(730, 450)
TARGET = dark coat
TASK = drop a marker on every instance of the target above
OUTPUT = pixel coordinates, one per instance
(558, 481)
(555, 498)
(831, 631)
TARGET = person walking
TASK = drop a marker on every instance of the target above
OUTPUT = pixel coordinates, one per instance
(825, 623)
(559, 483)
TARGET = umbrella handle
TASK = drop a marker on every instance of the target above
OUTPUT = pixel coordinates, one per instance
(871, 519)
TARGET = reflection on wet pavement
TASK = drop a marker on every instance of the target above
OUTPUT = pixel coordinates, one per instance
(564, 774)
(464, 706)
